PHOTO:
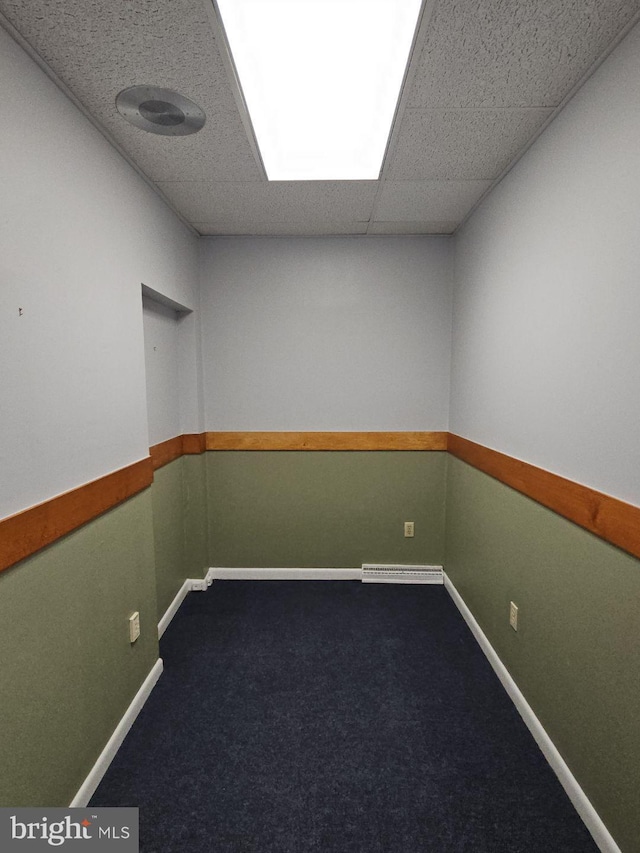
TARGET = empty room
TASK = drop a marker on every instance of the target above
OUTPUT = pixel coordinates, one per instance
(319, 420)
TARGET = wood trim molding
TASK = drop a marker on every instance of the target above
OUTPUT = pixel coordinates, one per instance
(173, 448)
(165, 452)
(326, 441)
(194, 443)
(611, 519)
(27, 532)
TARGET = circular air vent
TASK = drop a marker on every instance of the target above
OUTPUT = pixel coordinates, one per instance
(160, 111)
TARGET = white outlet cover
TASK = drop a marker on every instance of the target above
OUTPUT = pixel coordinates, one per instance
(134, 627)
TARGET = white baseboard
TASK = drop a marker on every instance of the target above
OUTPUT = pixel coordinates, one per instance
(219, 573)
(172, 609)
(107, 755)
(190, 585)
(589, 815)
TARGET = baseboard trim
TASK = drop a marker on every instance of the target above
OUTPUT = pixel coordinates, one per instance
(273, 574)
(107, 755)
(190, 585)
(172, 609)
(582, 805)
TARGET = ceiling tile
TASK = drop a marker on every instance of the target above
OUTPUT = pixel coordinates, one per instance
(489, 75)
(97, 49)
(501, 53)
(425, 201)
(461, 145)
(413, 227)
(275, 201)
(260, 227)
(218, 152)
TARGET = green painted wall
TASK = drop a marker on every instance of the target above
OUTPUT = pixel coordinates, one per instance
(179, 503)
(325, 509)
(195, 515)
(168, 533)
(67, 669)
(576, 656)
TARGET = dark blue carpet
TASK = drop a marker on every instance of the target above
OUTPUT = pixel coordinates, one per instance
(337, 717)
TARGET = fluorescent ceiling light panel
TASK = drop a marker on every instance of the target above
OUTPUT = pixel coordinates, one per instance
(321, 80)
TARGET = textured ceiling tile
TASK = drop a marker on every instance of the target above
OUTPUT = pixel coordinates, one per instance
(413, 227)
(263, 227)
(461, 145)
(98, 48)
(276, 201)
(427, 201)
(505, 53)
(105, 44)
(218, 152)
(489, 54)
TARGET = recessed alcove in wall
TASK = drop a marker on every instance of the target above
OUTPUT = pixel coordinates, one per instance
(161, 317)
(178, 497)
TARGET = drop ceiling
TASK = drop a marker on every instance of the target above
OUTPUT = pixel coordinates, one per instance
(484, 78)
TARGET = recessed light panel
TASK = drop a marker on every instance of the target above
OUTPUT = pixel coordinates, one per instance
(321, 80)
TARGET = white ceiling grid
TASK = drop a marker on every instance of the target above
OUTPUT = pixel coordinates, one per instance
(486, 76)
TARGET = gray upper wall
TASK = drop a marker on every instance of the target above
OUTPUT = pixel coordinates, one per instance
(546, 354)
(326, 333)
(80, 233)
(162, 360)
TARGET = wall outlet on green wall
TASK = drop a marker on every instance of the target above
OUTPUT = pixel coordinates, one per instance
(134, 627)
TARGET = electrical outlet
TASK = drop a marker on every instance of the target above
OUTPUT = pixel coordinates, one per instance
(513, 615)
(408, 529)
(134, 627)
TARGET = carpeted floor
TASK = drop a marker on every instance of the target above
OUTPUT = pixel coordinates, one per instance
(334, 717)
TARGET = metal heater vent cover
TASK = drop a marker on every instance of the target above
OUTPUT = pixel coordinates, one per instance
(381, 573)
(160, 111)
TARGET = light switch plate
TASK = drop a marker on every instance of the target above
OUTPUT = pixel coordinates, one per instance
(134, 627)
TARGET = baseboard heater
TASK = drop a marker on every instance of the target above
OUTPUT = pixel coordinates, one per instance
(380, 573)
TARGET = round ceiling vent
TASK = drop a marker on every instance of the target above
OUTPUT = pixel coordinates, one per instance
(160, 111)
